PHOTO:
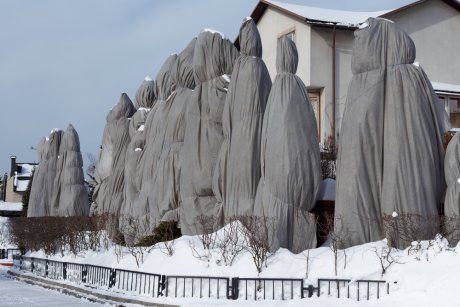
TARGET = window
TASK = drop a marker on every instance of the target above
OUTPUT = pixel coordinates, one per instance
(289, 33)
(314, 96)
(452, 107)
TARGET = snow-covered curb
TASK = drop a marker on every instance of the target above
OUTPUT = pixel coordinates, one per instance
(92, 295)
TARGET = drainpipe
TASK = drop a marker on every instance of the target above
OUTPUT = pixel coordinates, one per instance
(333, 84)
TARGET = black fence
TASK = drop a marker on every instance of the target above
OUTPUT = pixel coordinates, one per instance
(155, 285)
(8, 253)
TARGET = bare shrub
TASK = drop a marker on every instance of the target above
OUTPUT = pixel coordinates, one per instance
(406, 229)
(166, 233)
(136, 242)
(387, 256)
(259, 232)
(338, 235)
(59, 234)
(328, 154)
(451, 229)
(205, 226)
(230, 243)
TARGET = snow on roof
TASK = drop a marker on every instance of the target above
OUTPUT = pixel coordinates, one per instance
(7, 206)
(445, 87)
(26, 170)
(348, 18)
(21, 185)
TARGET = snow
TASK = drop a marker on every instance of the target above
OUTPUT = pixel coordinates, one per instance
(141, 128)
(327, 189)
(15, 293)
(437, 285)
(8, 206)
(458, 180)
(226, 77)
(247, 18)
(445, 87)
(340, 17)
(363, 25)
(214, 32)
(21, 185)
(148, 78)
(144, 109)
(138, 149)
(26, 170)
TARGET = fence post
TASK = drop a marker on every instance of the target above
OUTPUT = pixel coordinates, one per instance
(112, 277)
(235, 288)
(64, 270)
(46, 267)
(311, 289)
(162, 286)
(84, 272)
(32, 265)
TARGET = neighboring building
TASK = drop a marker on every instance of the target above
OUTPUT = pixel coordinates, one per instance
(325, 39)
(18, 180)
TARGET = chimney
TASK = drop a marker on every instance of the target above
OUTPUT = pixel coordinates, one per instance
(14, 167)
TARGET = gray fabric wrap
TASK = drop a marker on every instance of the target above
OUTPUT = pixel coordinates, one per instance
(71, 197)
(452, 175)
(133, 168)
(109, 174)
(145, 95)
(237, 170)
(42, 194)
(154, 137)
(213, 57)
(291, 173)
(164, 198)
(390, 150)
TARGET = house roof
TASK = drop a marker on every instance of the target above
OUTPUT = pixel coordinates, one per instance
(340, 19)
(446, 88)
(329, 17)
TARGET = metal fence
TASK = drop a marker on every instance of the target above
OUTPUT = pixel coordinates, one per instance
(155, 285)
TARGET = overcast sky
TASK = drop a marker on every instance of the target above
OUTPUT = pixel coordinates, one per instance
(65, 61)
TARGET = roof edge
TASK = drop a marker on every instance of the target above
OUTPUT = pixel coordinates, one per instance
(453, 3)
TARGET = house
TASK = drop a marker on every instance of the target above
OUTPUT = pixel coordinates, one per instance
(17, 181)
(324, 39)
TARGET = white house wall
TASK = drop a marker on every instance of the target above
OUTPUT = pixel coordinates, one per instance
(433, 25)
(435, 28)
(273, 23)
(321, 72)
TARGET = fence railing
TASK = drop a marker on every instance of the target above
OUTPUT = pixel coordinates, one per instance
(8, 253)
(155, 285)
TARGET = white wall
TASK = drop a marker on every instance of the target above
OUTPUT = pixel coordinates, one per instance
(433, 25)
(435, 28)
(271, 24)
(321, 72)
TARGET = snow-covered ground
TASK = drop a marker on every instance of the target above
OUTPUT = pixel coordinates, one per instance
(425, 276)
(15, 293)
